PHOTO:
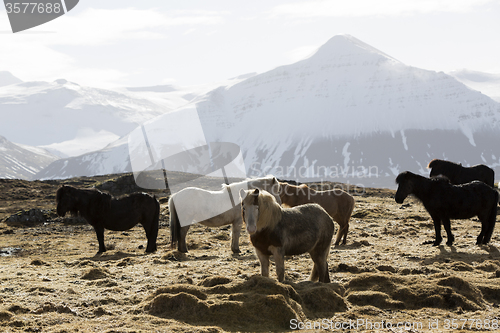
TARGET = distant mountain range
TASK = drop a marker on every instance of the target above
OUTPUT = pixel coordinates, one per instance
(349, 113)
(22, 161)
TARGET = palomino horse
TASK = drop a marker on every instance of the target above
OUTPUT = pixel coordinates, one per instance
(102, 211)
(337, 203)
(212, 209)
(444, 201)
(281, 232)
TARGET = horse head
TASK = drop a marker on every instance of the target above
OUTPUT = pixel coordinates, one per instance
(405, 187)
(66, 200)
(250, 209)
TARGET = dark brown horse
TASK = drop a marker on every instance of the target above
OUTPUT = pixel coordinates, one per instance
(445, 201)
(102, 211)
(457, 174)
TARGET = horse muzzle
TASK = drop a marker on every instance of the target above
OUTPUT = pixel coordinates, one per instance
(251, 229)
(61, 212)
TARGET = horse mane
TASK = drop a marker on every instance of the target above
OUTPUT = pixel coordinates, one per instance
(270, 211)
(96, 202)
(245, 182)
(441, 178)
(402, 176)
(436, 161)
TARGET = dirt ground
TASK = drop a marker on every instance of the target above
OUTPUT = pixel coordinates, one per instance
(383, 280)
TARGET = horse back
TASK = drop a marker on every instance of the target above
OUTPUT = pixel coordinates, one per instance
(463, 201)
(304, 227)
(483, 173)
(125, 212)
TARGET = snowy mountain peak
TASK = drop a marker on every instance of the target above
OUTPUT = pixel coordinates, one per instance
(6, 78)
(347, 46)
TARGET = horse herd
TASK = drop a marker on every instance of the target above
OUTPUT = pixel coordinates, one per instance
(284, 219)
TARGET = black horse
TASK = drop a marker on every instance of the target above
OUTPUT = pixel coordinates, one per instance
(103, 211)
(457, 174)
(444, 201)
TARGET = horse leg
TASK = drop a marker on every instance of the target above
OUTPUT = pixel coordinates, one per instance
(99, 230)
(235, 236)
(264, 263)
(152, 235)
(181, 244)
(279, 261)
(345, 230)
(320, 267)
(447, 227)
(437, 230)
(341, 233)
(480, 237)
(490, 224)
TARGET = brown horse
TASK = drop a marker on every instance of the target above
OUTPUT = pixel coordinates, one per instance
(337, 203)
(102, 211)
(282, 232)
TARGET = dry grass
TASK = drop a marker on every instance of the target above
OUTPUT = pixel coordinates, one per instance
(51, 279)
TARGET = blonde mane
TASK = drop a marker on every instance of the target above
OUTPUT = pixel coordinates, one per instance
(270, 211)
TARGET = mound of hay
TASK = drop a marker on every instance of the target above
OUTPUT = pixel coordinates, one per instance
(5, 315)
(214, 281)
(388, 291)
(321, 300)
(246, 305)
(249, 305)
(95, 274)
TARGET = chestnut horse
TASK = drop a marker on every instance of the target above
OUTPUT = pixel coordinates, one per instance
(337, 203)
(283, 232)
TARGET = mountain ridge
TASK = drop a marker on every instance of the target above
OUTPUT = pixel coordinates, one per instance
(319, 111)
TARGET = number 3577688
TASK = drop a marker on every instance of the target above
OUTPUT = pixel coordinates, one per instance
(33, 8)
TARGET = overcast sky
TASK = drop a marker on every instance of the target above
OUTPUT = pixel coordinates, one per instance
(186, 42)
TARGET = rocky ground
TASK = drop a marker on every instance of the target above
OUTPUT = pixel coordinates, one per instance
(52, 280)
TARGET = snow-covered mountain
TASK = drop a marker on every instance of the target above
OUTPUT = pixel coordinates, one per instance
(6, 78)
(22, 161)
(487, 83)
(69, 119)
(347, 113)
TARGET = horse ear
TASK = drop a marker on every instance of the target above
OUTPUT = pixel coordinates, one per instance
(255, 194)
(242, 194)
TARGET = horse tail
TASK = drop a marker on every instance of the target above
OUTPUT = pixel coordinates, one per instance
(492, 219)
(175, 225)
(156, 220)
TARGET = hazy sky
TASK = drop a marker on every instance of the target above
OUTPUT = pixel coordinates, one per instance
(186, 42)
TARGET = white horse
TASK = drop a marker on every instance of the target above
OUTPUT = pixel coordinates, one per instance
(213, 209)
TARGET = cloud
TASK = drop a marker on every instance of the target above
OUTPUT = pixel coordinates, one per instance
(37, 54)
(359, 8)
